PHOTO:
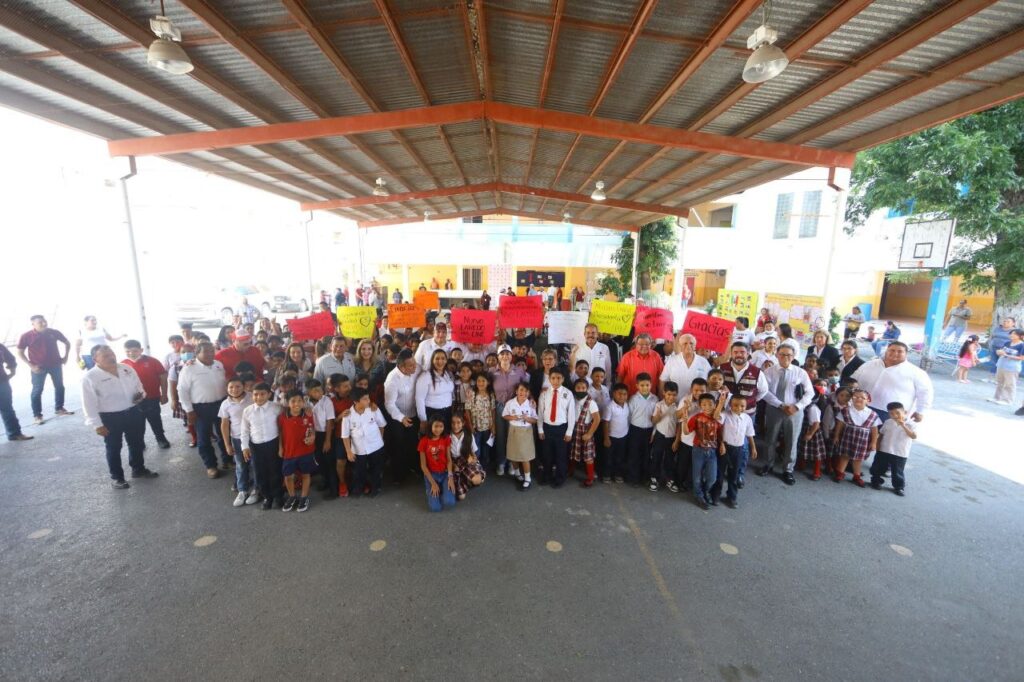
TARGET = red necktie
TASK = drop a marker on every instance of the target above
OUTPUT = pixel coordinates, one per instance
(554, 404)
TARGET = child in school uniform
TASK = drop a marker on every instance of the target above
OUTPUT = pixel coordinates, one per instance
(481, 410)
(641, 427)
(521, 415)
(296, 448)
(811, 448)
(323, 433)
(661, 465)
(856, 436)
(340, 387)
(706, 430)
(737, 446)
(833, 406)
(556, 411)
(896, 437)
(588, 420)
(260, 443)
(688, 407)
(230, 415)
(436, 464)
(362, 432)
(616, 434)
(602, 396)
(582, 372)
(466, 466)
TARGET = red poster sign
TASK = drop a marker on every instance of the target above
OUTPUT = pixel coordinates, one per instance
(654, 321)
(312, 327)
(473, 326)
(711, 332)
(520, 312)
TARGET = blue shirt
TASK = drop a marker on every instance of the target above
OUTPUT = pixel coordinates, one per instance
(1014, 353)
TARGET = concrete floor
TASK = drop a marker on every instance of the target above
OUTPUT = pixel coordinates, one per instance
(818, 581)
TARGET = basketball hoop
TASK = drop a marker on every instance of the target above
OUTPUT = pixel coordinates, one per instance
(926, 244)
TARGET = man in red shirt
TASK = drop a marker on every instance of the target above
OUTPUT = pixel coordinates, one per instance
(641, 360)
(44, 359)
(240, 351)
(154, 382)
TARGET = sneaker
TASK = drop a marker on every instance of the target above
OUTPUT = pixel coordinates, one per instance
(38, 420)
(303, 504)
(653, 487)
(620, 479)
(672, 486)
(253, 497)
(21, 436)
(164, 444)
(267, 504)
(703, 504)
(899, 491)
(63, 413)
(119, 485)
(713, 502)
(211, 472)
(876, 485)
(144, 473)
(239, 500)
(342, 490)
(289, 504)
(500, 471)
(606, 479)
(526, 485)
(731, 504)
(191, 443)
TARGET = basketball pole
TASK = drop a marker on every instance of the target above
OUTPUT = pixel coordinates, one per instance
(933, 320)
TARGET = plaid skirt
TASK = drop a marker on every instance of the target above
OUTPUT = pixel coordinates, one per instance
(855, 442)
(814, 449)
(179, 413)
(463, 471)
(581, 450)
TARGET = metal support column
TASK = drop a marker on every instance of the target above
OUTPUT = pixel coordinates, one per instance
(933, 320)
(135, 255)
(635, 236)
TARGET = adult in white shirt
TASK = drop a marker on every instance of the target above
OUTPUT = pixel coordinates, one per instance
(789, 392)
(110, 393)
(338, 361)
(766, 354)
(248, 312)
(786, 339)
(425, 351)
(202, 387)
(260, 443)
(90, 336)
(684, 365)
(400, 408)
(435, 392)
(891, 379)
(593, 351)
(742, 333)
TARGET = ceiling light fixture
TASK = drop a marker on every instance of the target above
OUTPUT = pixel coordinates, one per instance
(426, 215)
(767, 61)
(381, 189)
(165, 52)
(567, 218)
(598, 193)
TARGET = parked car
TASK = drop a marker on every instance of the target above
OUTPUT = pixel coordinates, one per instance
(223, 305)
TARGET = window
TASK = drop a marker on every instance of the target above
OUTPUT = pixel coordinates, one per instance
(471, 278)
(809, 214)
(783, 214)
(721, 217)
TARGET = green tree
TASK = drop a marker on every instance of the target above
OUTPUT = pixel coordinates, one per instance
(971, 170)
(658, 241)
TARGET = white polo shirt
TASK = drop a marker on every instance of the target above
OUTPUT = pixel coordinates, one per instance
(199, 383)
(259, 423)
(232, 410)
(323, 410)
(617, 417)
(666, 424)
(103, 391)
(364, 430)
(598, 356)
(736, 428)
(894, 440)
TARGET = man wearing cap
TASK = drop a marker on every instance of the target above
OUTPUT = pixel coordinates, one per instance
(428, 346)
(241, 350)
(505, 377)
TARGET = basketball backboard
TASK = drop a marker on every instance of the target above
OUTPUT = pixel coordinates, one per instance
(926, 244)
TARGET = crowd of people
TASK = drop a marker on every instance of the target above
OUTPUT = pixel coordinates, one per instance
(284, 414)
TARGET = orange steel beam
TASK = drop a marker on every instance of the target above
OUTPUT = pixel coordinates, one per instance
(490, 187)
(498, 211)
(549, 66)
(936, 23)
(640, 19)
(839, 15)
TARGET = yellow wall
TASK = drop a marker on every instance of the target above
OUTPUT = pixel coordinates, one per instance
(705, 286)
(911, 300)
(422, 274)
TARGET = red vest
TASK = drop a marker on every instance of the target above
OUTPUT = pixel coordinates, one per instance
(745, 385)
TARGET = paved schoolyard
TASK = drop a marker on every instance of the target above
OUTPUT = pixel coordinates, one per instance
(818, 581)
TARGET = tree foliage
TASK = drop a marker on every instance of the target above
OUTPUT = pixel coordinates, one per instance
(658, 242)
(971, 170)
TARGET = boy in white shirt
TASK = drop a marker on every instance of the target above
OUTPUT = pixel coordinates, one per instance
(323, 429)
(895, 438)
(737, 444)
(661, 466)
(556, 410)
(230, 415)
(362, 431)
(688, 407)
(615, 419)
(641, 427)
(260, 440)
(599, 394)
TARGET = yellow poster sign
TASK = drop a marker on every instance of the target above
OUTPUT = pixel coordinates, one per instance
(733, 303)
(612, 318)
(357, 322)
(805, 314)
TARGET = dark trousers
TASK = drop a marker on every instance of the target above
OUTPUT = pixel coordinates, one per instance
(150, 409)
(207, 428)
(268, 469)
(555, 453)
(125, 426)
(325, 461)
(402, 441)
(618, 457)
(39, 381)
(882, 463)
(367, 467)
(733, 463)
(11, 424)
(661, 464)
(684, 466)
(639, 452)
(715, 491)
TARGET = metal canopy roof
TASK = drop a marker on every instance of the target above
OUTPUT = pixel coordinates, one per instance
(469, 107)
